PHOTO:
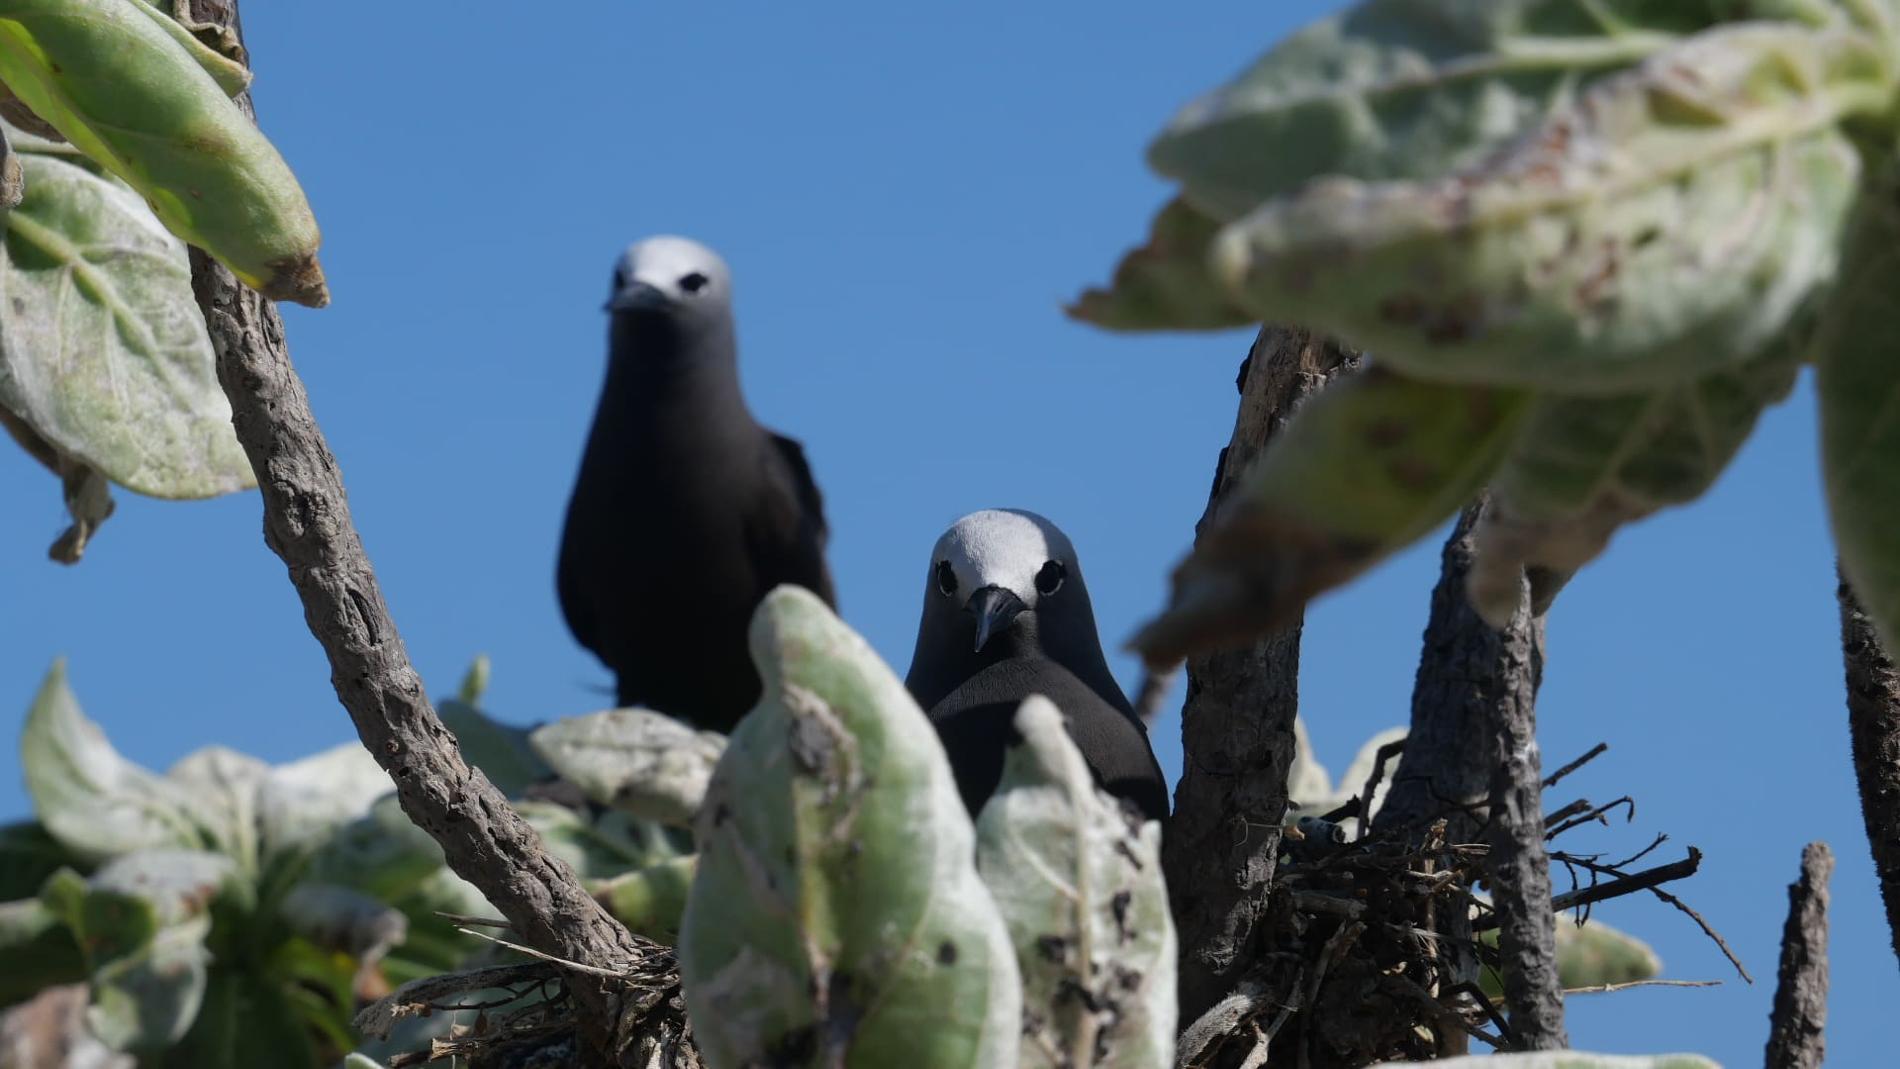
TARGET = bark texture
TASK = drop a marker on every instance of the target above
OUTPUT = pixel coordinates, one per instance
(1471, 748)
(1519, 865)
(1873, 718)
(307, 523)
(1237, 725)
(1796, 1027)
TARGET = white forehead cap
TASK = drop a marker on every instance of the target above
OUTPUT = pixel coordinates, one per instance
(662, 261)
(1003, 547)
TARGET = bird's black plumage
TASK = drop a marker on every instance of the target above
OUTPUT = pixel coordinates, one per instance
(1019, 572)
(686, 511)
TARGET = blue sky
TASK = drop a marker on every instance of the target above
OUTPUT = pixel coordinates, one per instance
(906, 197)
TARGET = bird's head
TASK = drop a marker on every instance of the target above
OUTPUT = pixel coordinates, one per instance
(671, 281)
(1005, 570)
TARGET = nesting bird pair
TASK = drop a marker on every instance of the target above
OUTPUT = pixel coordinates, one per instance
(687, 512)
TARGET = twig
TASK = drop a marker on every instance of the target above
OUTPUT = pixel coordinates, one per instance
(1646, 880)
(1596, 815)
(1873, 719)
(1701, 922)
(419, 996)
(1601, 989)
(1385, 753)
(576, 966)
(307, 523)
(1410, 989)
(1595, 752)
(1797, 1037)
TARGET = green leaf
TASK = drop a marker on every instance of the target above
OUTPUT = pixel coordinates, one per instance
(221, 787)
(1368, 465)
(1563, 1059)
(1395, 89)
(104, 353)
(121, 87)
(1166, 284)
(500, 750)
(1675, 222)
(647, 764)
(570, 836)
(245, 1022)
(1585, 466)
(303, 802)
(1078, 881)
(1589, 955)
(28, 855)
(344, 920)
(474, 681)
(39, 951)
(1858, 364)
(837, 918)
(142, 921)
(650, 901)
(93, 801)
(381, 853)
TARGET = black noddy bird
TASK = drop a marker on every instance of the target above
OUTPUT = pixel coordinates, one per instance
(1007, 615)
(686, 511)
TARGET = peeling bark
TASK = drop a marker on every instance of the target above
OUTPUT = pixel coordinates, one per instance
(1237, 725)
(1796, 1027)
(1873, 718)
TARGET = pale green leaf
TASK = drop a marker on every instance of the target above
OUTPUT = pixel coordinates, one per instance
(837, 911)
(1589, 955)
(1078, 881)
(1675, 222)
(93, 801)
(1858, 363)
(304, 801)
(1368, 465)
(221, 787)
(103, 351)
(650, 765)
(344, 920)
(500, 750)
(1584, 466)
(1166, 284)
(650, 901)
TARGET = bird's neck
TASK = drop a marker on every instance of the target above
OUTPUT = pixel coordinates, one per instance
(658, 370)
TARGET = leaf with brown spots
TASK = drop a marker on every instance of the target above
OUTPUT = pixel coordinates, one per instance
(1365, 467)
(1585, 466)
(1078, 880)
(836, 862)
(1672, 223)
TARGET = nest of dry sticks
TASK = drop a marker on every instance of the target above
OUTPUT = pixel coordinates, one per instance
(1372, 946)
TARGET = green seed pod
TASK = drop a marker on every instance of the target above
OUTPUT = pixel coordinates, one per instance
(836, 919)
(126, 92)
(1368, 465)
(650, 900)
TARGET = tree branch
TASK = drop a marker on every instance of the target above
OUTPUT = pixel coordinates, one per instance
(1796, 1036)
(1519, 865)
(1873, 720)
(1237, 726)
(307, 523)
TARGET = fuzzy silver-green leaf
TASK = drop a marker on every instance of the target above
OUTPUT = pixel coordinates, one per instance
(836, 918)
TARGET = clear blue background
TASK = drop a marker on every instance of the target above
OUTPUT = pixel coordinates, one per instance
(906, 197)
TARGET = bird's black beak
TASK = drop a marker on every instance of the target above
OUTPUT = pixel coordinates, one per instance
(994, 608)
(635, 295)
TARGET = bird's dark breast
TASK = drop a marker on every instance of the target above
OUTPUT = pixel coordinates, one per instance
(976, 722)
(671, 567)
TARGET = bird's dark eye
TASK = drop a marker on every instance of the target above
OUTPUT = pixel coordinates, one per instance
(1049, 580)
(694, 282)
(946, 578)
